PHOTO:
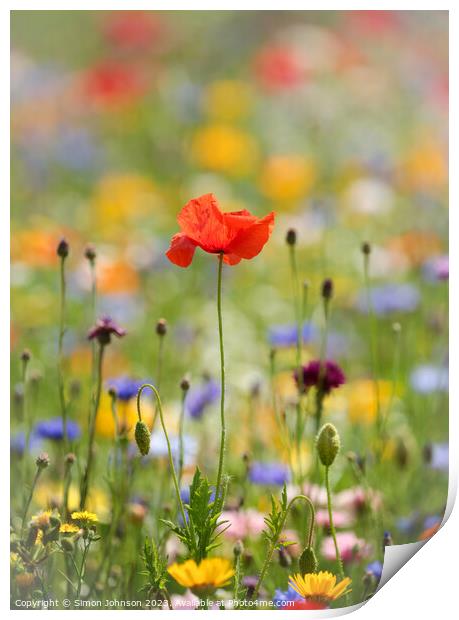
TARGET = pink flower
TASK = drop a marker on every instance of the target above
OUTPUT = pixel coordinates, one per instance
(184, 602)
(243, 523)
(291, 536)
(341, 518)
(357, 499)
(350, 547)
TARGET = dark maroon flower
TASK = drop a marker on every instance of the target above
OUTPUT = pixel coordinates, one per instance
(324, 376)
(103, 330)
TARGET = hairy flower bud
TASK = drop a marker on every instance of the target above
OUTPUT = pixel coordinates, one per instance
(90, 253)
(366, 248)
(26, 355)
(327, 289)
(308, 561)
(238, 548)
(142, 437)
(42, 460)
(161, 327)
(290, 237)
(63, 248)
(185, 384)
(328, 444)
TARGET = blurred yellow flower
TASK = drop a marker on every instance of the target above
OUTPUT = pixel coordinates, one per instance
(416, 245)
(426, 167)
(51, 493)
(224, 149)
(228, 100)
(287, 178)
(127, 416)
(119, 198)
(68, 528)
(363, 402)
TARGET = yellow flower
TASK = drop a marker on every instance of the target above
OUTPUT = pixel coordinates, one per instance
(41, 520)
(209, 573)
(50, 493)
(224, 149)
(321, 586)
(119, 198)
(68, 528)
(363, 399)
(84, 517)
(228, 100)
(287, 178)
(127, 416)
(426, 167)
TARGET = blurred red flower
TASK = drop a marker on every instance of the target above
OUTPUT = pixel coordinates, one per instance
(113, 83)
(279, 68)
(133, 29)
(306, 605)
(237, 234)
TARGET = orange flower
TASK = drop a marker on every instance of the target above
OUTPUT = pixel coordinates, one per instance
(237, 234)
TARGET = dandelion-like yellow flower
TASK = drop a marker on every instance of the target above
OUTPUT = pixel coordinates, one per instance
(319, 586)
(41, 520)
(209, 573)
(84, 517)
(69, 528)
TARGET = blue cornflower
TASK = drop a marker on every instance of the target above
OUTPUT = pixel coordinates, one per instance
(18, 441)
(439, 456)
(269, 473)
(125, 387)
(54, 429)
(436, 268)
(389, 298)
(375, 568)
(285, 335)
(428, 378)
(158, 447)
(431, 521)
(200, 396)
(281, 596)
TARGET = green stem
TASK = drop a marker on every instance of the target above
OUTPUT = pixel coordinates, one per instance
(169, 450)
(275, 541)
(25, 418)
(159, 372)
(222, 397)
(92, 267)
(29, 499)
(92, 429)
(237, 580)
(82, 570)
(180, 429)
(67, 482)
(339, 561)
(60, 371)
(373, 344)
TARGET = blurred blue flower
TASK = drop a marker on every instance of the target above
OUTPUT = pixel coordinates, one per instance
(427, 378)
(436, 268)
(431, 521)
(54, 429)
(269, 473)
(281, 596)
(200, 396)
(389, 298)
(407, 525)
(285, 335)
(439, 457)
(125, 387)
(75, 149)
(158, 447)
(18, 441)
(375, 568)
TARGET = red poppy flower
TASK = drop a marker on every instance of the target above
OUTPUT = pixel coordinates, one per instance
(279, 68)
(132, 29)
(237, 234)
(111, 83)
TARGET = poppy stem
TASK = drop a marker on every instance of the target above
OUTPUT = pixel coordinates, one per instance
(339, 561)
(222, 369)
(60, 372)
(92, 429)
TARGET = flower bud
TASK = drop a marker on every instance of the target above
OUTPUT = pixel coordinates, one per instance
(90, 253)
(327, 289)
(290, 237)
(387, 540)
(63, 248)
(161, 327)
(366, 248)
(70, 458)
(185, 384)
(142, 437)
(42, 460)
(308, 561)
(25, 355)
(328, 444)
(238, 548)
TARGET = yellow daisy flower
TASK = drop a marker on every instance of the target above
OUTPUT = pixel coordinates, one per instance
(319, 586)
(68, 528)
(85, 517)
(210, 573)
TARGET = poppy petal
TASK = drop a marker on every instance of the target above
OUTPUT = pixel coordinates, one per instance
(181, 250)
(250, 241)
(203, 222)
(231, 259)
